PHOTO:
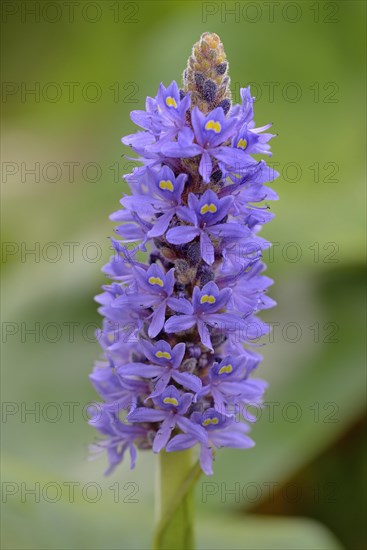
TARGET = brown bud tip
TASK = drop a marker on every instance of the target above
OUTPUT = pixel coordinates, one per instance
(206, 74)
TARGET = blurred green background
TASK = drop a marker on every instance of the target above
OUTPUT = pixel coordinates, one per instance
(90, 64)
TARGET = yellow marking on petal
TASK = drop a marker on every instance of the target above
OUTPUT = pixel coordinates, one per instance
(171, 102)
(214, 126)
(207, 299)
(163, 354)
(166, 185)
(155, 281)
(170, 401)
(242, 143)
(208, 208)
(226, 369)
(208, 421)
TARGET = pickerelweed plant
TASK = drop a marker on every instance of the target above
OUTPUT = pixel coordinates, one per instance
(176, 368)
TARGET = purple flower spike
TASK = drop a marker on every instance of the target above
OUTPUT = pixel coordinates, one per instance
(186, 276)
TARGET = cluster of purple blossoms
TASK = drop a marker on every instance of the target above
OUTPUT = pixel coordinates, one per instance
(178, 326)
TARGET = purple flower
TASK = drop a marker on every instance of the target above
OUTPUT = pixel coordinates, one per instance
(206, 214)
(164, 364)
(244, 112)
(134, 227)
(154, 290)
(118, 394)
(204, 312)
(252, 141)
(210, 133)
(161, 201)
(228, 383)
(164, 117)
(222, 431)
(171, 412)
(119, 437)
(171, 107)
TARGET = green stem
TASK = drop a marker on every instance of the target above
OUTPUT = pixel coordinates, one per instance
(177, 475)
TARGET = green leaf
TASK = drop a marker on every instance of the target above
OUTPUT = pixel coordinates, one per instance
(264, 533)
